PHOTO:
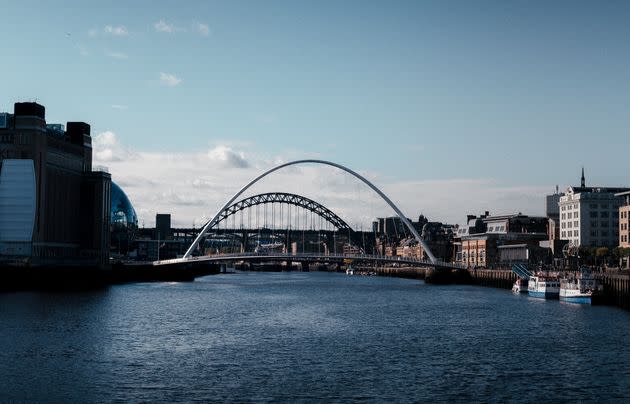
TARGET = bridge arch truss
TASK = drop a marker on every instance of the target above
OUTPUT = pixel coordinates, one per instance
(282, 198)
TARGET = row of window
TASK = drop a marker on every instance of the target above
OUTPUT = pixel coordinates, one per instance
(624, 238)
(603, 233)
(575, 223)
(624, 226)
(570, 233)
(623, 214)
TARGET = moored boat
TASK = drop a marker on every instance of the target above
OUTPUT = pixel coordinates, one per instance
(545, 287)
(582, 288)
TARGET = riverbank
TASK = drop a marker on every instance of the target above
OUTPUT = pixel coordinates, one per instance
(616, 285)
(23, 278)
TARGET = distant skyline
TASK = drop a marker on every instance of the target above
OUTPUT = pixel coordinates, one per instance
(451, 107)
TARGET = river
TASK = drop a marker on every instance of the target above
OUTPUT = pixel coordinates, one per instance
(305, 337)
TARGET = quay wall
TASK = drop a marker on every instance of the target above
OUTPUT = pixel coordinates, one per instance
(617, 289)
(496, 278)
(616, 285)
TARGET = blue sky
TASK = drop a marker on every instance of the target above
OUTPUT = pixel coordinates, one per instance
(518, 94)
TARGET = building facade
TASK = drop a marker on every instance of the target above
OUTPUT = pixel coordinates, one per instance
(484, 237)
(624, 219)
(55, 211)
(589, 216)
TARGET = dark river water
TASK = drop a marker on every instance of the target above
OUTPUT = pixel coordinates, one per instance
(308, 337)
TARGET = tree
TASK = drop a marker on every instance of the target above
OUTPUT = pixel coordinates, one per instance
(602, 252)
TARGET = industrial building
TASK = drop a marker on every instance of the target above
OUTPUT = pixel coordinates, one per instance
(54, 209)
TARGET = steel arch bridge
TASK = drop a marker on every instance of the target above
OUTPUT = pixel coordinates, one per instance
(283, 198)
(403, 218)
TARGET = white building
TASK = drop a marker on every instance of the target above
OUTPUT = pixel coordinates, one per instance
(589, 216)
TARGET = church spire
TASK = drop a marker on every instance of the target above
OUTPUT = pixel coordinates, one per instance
(583, 183)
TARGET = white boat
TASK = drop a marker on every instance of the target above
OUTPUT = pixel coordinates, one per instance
(545, 287)
(349, 271)
(582, 288)
(520, 286)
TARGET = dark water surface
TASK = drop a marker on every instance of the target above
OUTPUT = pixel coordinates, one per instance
(308, 336)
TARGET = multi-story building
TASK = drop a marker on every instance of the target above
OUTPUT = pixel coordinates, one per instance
(589, 215)
(54, 210)
(624, 219)
(552, 211)
(480, 244)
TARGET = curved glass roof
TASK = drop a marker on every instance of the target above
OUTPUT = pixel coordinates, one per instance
(122, 210)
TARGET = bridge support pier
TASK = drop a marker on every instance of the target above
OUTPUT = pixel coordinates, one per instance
(305, 266)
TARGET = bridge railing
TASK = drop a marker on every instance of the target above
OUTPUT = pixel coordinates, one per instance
(288, 256)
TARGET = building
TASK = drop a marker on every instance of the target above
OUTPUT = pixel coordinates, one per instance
(124, 222)
(55, 208)
(589, 215)
(483, 238)
(399, 241)
(163, 226)
(552, 211)
(624, 227)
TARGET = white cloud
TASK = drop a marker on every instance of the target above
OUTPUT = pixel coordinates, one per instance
(116, 55)
(107, 148)
(119, 106)
(169, 79)
(115, 30)
(193, 185)
(163, 26)
(228, 157)
(202, 29)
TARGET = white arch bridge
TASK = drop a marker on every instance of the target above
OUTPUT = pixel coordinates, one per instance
(230, 207)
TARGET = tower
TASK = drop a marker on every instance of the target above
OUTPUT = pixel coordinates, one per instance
(583, 180)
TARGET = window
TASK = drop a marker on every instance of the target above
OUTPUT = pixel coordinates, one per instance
(569, 215)
(576, 214)
(593, 233)
(604, 206)
(603, 224)
(593, 223)
(576, 223)
(576, 233)
(564, 234)
(570, 225)
(593, 214)
(570, 233)
(593, 206)
(604, 233)
(603, 214)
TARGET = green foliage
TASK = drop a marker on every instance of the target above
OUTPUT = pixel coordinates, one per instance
(602, 252)
(584, 252)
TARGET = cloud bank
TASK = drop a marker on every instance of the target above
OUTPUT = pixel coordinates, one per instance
(192, 186)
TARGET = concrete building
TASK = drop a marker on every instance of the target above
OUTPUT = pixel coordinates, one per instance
(54, 210)
(624, 219)
(624, 226)
(163, 227)
(589, 215)
(483, 237)
(552, 211)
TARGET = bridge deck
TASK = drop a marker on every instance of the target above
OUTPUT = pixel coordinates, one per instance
(313, 257)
